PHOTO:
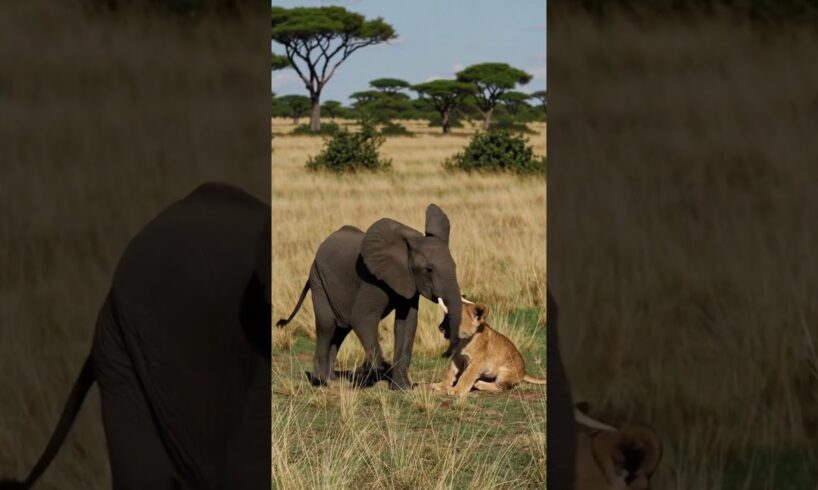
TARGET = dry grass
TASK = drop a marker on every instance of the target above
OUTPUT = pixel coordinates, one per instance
(103, 123)
(377, 439)
(684, 253)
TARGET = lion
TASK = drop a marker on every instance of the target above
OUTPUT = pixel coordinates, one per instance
(608, 458)
(483, 359)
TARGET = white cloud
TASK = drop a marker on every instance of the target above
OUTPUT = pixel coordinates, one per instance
(285, 79)
(458, 67)
(538, 73)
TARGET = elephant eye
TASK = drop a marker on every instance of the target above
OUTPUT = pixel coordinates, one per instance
(429, 269)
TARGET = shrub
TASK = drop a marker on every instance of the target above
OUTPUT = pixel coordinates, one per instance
(510, 125)
(394, 129)
(497, 151)
(327, 129)
(346, 151)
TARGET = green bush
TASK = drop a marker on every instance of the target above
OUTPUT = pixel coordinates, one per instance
(510, 125)
(496, 151)
(346, 151)
(327, 129)
(394, 129)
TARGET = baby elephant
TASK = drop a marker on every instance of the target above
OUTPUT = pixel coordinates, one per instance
(483, 358)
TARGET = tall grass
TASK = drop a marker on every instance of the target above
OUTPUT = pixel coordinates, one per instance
(683, 253)
(104, 121)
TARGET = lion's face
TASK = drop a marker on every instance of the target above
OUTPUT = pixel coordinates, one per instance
(621, 459)
(474, 316)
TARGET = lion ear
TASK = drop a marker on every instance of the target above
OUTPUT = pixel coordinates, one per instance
(480, 312)
(628, 453)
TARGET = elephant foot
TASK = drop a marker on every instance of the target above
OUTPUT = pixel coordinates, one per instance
(404, 386)
(348, 375)
(315, 380)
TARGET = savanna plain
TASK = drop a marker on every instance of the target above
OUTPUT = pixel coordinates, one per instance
(340, 437)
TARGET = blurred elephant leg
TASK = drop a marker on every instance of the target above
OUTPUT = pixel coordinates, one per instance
(137, 456)
(560, 425)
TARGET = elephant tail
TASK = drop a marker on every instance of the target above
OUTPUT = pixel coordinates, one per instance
(282, 321)
(69, 413)
(531, 379)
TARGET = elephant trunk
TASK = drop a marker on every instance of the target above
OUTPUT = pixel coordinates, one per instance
(453, 303)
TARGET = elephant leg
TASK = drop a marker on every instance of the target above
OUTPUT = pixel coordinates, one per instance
(326, 331)
(337, 339)
(136, 453)
(406, 322)
(375, 367)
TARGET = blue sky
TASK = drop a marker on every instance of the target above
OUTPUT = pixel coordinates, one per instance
(436, 38)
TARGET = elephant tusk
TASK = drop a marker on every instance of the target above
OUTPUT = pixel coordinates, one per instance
(442, 305)
(466, 301)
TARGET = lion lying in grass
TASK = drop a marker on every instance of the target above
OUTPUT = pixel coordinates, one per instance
(483, 359)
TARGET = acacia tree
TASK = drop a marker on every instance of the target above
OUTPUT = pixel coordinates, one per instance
(279, 62)
(444, 96)
(491, 81)
(541, 96)
(296, 106)
(332, 108)
(364, 97)
(317, 40)
(515, 102)
(389, 86)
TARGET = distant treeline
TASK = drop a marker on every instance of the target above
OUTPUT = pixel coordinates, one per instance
(757, 10)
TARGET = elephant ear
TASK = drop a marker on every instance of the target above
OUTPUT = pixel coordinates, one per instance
(437, 223)
(263, 261)
(385, 250)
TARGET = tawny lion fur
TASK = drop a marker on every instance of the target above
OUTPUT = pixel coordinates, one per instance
(483, 358)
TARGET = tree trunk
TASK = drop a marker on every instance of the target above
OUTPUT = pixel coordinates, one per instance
(315, 115)
(295, 120)
(487, 119)
(445, 122)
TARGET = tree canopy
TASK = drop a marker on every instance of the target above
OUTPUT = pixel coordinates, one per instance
(539, 95)
(332, 108)
(295, 106)
(389, 85)
(443, 96)
(515, 101)
(279, 62)
(317, 40)
(491, 81)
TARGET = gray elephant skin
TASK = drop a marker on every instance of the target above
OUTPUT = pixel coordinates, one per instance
(561, 430)
(181, 352)
(358, 278)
